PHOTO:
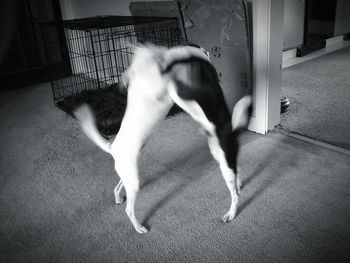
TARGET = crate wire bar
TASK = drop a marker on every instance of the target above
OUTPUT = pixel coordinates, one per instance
(99, 52)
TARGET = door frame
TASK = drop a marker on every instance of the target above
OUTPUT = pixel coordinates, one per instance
(267, 64)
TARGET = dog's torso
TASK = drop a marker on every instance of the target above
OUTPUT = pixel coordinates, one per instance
(149, 88)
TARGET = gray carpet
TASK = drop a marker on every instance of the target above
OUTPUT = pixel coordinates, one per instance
(319, 93)
(56, 195)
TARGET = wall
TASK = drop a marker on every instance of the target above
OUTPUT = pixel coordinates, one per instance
(293, 23)
(342, 17)
(84, 8)
(220, 27)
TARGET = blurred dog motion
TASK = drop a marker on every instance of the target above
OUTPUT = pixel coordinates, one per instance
(157, 78)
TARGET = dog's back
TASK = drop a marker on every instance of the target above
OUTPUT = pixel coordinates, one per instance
(197, 80)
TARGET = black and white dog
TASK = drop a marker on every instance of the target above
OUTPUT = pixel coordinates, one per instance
(157, 78)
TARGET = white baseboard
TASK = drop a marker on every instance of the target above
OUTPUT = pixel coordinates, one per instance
(313, 141)
(291, 53)
(334, 40)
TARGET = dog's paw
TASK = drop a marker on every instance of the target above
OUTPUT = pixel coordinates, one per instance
(228, 216)
(141, 229)
(119, 200)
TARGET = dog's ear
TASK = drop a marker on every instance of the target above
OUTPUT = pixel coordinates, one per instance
(162, 63)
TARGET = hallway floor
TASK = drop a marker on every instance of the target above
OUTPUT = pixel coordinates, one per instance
(319, 95)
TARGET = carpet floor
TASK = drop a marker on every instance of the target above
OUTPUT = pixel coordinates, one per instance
(56, 195)
(319, 93)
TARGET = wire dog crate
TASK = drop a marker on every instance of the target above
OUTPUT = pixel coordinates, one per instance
(99, 52)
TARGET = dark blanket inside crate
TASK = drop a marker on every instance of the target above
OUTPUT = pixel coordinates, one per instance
(108, 105)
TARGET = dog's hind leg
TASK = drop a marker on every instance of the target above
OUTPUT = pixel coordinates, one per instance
(238, 182)
(118, 193)
(230, 177)
(193, 108)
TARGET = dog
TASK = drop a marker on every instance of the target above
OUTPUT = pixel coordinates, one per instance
(157, 78)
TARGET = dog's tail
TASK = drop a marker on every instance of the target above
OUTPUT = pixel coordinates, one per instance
(241, 114)
(87, 122)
